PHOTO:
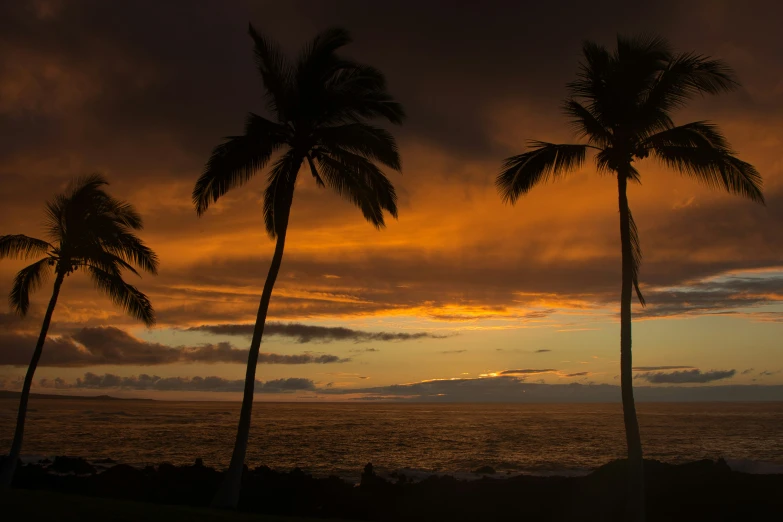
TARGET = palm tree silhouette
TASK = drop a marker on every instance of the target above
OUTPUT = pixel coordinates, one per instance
(621, 103)
(321, 104)
(89, 230)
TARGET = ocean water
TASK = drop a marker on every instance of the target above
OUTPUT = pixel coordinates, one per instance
(419, 439)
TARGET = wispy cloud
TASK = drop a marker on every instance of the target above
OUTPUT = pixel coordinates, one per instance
(658, 368)
(523, 371)
(305, 333)
(686, 376)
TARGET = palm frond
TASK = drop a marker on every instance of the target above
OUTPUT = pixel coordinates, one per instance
(586, 124)
(591, 82)
(684, 77)
(361, 182)
(87, 184)
(639, 61)
(279, 193)
(636, 256)
(642, 50)
(314, 171)
(72, 212)
(237, 160)
(106, 261)
(131, 249)
(28, 280)
(700, 150)
(355, 92)
(19, 246)
(688, 75)
(365, 140)
(276, 74)
(124, 213)
(123, 295)
(695, 134)
(546, 161)
(318, 60)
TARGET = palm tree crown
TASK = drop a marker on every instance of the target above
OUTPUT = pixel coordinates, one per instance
(87, 229)
(621, 104)
(320, 104)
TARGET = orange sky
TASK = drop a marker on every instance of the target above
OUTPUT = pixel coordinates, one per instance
(144, 98)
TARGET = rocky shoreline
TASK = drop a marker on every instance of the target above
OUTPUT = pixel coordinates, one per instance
(699, 491)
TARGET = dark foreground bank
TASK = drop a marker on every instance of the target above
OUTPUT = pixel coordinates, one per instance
(698, 491)
(46, 506)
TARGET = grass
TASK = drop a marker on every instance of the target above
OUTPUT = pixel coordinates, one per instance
(40, 506)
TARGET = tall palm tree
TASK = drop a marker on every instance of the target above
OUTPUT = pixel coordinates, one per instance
(622, 104)
(87, 230)
(320, 104)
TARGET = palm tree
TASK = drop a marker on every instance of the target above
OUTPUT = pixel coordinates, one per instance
(621, 104)
(321, 104)
(89, 230)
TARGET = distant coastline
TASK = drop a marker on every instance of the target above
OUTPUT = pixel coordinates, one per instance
(7, 394)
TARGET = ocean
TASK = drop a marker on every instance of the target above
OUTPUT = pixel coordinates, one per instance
(418, 439)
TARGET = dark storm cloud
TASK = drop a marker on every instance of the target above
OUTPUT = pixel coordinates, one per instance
(305, 333)
(158, 75)
(686, 376)
(105, 85)
(512, 389)
(153, 382)
(426, 66)
(112, 346)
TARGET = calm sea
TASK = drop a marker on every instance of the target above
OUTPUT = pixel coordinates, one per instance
(419, 438)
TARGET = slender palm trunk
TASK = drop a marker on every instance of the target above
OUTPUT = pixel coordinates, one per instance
(9, 466)
(228, 494)
(636, 508)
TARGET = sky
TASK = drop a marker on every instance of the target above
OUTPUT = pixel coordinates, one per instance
(461, 298)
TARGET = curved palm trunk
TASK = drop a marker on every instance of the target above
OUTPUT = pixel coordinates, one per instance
(9, 466)
(228, 494)
(635, 507)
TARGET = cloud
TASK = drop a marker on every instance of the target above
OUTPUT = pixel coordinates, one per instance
(453, 351)
(113, 346)
(658, 368)
(516, 390)
(525, 371)
(542, 351)
(577, 374)
(686, 376)
(143, 381)
(304, 333)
